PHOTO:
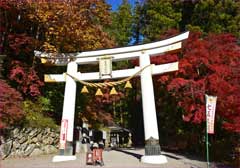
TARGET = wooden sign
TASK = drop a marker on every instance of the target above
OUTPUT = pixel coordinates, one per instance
(105, 66)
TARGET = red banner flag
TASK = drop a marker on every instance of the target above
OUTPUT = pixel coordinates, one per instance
(210, 112)
(63, 133)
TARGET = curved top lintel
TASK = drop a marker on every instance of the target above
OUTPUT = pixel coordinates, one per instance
(128, 52)
(142, 47)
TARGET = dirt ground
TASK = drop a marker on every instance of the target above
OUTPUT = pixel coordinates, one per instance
(112, 159)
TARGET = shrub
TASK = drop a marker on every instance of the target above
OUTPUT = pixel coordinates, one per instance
(37, 113)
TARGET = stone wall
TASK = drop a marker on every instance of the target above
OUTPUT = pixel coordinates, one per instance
(24, 142)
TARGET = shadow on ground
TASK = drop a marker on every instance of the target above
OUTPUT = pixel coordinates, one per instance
(138, 156)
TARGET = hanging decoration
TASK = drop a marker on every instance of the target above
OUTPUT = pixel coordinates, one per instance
(128, 85)
(84, 89)
(113, 91)
(98, 92)
(99, 85)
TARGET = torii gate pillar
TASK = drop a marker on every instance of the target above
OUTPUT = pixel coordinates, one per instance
(67, 125)
(69, 107)
(152, 147)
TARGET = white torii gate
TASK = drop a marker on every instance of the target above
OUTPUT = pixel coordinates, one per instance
(143, 52)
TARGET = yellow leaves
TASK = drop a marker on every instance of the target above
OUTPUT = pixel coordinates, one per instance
(70, 26)
(51, 29)
(61, 29)
(49, 48)
(31, 16)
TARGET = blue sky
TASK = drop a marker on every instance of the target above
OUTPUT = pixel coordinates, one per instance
(116, 3)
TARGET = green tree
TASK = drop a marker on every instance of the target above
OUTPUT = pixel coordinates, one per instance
(121, 27)
(137, 23)
(216, 16)
(157, 17)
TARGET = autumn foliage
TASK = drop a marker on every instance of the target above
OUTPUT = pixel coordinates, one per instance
(70, 26)
(10, 105)
(25, 78)
(208, 65)
(51, 26)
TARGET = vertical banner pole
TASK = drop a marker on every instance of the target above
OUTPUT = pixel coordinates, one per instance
(207, 149)
(210, 116)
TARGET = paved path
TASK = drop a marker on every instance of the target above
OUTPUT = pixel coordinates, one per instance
(112, 159)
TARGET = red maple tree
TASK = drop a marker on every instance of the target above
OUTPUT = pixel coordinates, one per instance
(207, 65)
(18, 44)
(26, 78)
(10, 105)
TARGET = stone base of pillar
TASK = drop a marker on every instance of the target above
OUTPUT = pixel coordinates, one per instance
(68, 151)
(152, 147)
(153, 152)
(154, 159)
(65, 154)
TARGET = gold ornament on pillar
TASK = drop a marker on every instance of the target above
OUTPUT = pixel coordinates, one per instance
(113, 91)
(84, 89)
(99, 92)
(43, 60)
(128, 85)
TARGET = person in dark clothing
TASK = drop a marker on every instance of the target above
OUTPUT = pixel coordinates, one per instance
(101, 145)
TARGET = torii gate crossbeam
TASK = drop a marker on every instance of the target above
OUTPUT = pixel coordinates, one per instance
(143, 52)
